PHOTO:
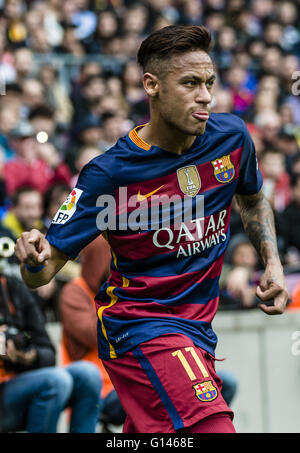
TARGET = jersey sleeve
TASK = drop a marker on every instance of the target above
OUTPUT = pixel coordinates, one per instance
(76, 223)
(250, 177)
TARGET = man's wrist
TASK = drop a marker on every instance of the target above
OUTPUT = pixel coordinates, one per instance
(34, 269)
(274, 262)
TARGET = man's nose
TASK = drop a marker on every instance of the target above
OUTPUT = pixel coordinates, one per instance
(203, 95)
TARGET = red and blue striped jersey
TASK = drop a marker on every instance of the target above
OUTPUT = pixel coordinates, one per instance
(164, 276)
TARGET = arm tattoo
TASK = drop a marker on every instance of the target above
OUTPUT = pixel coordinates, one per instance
(258, 220)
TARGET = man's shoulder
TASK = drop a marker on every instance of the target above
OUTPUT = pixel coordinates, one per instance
(226, 123)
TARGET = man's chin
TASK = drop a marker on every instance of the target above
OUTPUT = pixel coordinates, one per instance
(200, 129)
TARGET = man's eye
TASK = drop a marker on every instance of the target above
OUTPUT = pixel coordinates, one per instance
(190, 83)
(210, 83)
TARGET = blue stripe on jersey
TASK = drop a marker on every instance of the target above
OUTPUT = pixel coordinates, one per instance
(126, 334)
(155, 381)
(199, 293)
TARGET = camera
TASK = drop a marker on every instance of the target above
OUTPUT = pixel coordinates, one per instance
(9, 265)
(20, 339)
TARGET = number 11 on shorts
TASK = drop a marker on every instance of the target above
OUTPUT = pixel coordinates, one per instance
(186, 365)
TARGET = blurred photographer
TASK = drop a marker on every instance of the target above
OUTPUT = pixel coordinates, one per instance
(33, 392)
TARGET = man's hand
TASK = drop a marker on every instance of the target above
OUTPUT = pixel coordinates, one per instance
(258, 220)
(16, 356)
(273, 287)
(32, 248)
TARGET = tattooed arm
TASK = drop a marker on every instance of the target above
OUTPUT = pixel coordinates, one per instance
(258, 220)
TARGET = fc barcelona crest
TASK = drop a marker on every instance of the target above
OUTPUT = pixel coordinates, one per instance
(189, 180)
(205, 391)
(223, 169)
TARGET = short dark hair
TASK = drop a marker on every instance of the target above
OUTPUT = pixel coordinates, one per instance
(172, 40)
(267, 151)
(15, 198)
(41, 111)
(53, 192)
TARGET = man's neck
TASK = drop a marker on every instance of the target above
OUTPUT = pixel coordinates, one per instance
(165, 137)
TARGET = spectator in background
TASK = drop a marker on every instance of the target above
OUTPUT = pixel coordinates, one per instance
(106, 29)
(42, 118)
(52, 200)
(276, 185)
(287, 144)
(12, 99)
(92, 88)
(88, 133)
(269, 123)
(223, 102)
(26, 211)
(113, 127)
(35, 164)
(56, 96)
(70, 42)
(256, 136)
(84, 155)
(238, 280)
(134, 93)
(33, 391)
(191, 12)
(288, 225)
(33, 96)
(23, 64)
(8, 121)
(84, 72)
(242, 96)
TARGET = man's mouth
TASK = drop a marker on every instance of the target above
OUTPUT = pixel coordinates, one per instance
(201, 115)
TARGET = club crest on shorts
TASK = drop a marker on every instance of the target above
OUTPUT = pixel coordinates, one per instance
(189, 180)
(223, 169)
(205, 391)
(68, 208)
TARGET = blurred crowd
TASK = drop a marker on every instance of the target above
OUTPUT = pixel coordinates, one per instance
(70, 87)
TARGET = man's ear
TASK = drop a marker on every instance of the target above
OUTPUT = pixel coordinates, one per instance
(151, 85)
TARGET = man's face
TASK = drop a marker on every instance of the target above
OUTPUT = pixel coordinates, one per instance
(185, 93)
(29, 209)
(273, 165)
(244, 255)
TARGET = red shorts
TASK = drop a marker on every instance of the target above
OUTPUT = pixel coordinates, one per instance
(166, 384)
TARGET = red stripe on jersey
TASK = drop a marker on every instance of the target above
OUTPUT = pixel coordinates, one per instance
(169, 186)
(127, 310)
(124, 246)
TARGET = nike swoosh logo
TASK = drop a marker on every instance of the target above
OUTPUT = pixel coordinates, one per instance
(143, 197)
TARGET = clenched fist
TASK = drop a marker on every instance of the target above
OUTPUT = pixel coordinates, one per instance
(32, 248)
